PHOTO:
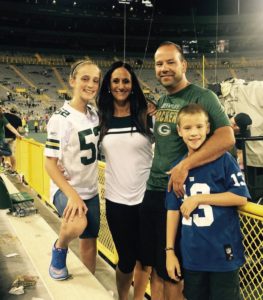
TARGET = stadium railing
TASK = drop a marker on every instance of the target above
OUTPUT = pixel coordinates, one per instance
(30, 165)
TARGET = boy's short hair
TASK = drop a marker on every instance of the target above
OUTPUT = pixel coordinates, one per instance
(191, 109)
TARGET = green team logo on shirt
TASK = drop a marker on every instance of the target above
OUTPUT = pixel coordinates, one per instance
(164, 129)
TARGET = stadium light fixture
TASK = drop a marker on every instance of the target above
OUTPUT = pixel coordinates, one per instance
(125, 1)
(147, 3)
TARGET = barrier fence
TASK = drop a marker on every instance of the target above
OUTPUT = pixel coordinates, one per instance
(30, 164)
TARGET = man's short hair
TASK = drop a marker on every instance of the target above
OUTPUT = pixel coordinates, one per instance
(176, 46)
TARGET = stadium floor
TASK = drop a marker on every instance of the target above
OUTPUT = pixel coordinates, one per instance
(12, 267)
(38, 137)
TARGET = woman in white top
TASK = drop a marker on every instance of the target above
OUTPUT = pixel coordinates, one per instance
(126, 144)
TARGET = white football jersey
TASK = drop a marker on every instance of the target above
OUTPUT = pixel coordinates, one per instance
(72, 137)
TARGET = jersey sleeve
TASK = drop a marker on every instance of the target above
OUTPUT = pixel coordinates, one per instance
(234, 180)
(171, 201)
(57, 136)
(212, 105)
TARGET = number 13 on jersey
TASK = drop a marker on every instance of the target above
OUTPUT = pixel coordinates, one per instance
(207, 219)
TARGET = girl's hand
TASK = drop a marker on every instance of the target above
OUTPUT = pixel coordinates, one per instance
(75, 206)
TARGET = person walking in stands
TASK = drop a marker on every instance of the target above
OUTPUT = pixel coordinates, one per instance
(10, 137)
(4, 123)
(24, 122)
(126, 144)
(36, 125)
(170, 69)
(211, 253)
(72, 137)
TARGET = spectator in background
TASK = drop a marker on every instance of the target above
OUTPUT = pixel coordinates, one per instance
(4, 148)
(36, 125)
(9, 96)
(240, 123)
(24, 122)
(10, 137)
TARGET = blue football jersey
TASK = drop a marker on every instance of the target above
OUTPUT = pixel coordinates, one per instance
(211, 239)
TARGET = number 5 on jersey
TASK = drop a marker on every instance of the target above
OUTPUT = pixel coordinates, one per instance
(88, 146)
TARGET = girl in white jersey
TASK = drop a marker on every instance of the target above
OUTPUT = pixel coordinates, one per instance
(126, 144)
(72, 137)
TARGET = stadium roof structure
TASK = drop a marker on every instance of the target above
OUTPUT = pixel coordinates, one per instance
(101, 25)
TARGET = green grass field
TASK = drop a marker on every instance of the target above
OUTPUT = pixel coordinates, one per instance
(38, 137)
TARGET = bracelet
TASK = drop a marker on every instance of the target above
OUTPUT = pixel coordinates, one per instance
(169, 248)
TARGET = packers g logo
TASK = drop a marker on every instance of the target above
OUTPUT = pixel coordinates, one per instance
(164, 129)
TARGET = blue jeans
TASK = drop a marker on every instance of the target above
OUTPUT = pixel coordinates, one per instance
(93, 213)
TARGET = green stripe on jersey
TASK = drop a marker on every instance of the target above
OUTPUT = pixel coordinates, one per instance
(52, 144)
(52, 147)
(53, 141)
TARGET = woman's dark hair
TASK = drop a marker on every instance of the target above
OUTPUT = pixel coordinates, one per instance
(138, 104)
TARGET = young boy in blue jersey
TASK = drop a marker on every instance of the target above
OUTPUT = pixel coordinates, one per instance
(211, 241)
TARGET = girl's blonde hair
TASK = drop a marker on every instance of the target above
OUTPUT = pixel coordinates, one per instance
(74, 68)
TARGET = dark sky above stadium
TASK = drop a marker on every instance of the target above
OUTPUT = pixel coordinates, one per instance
(170, 7)
(210, 7)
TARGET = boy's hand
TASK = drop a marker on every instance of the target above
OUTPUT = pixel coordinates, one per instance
(173, 266)
(74, 206)
(188, 206)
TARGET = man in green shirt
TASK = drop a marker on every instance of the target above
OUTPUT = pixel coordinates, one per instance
(170, 69)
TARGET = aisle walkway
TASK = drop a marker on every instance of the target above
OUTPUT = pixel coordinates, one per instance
(10, 268)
